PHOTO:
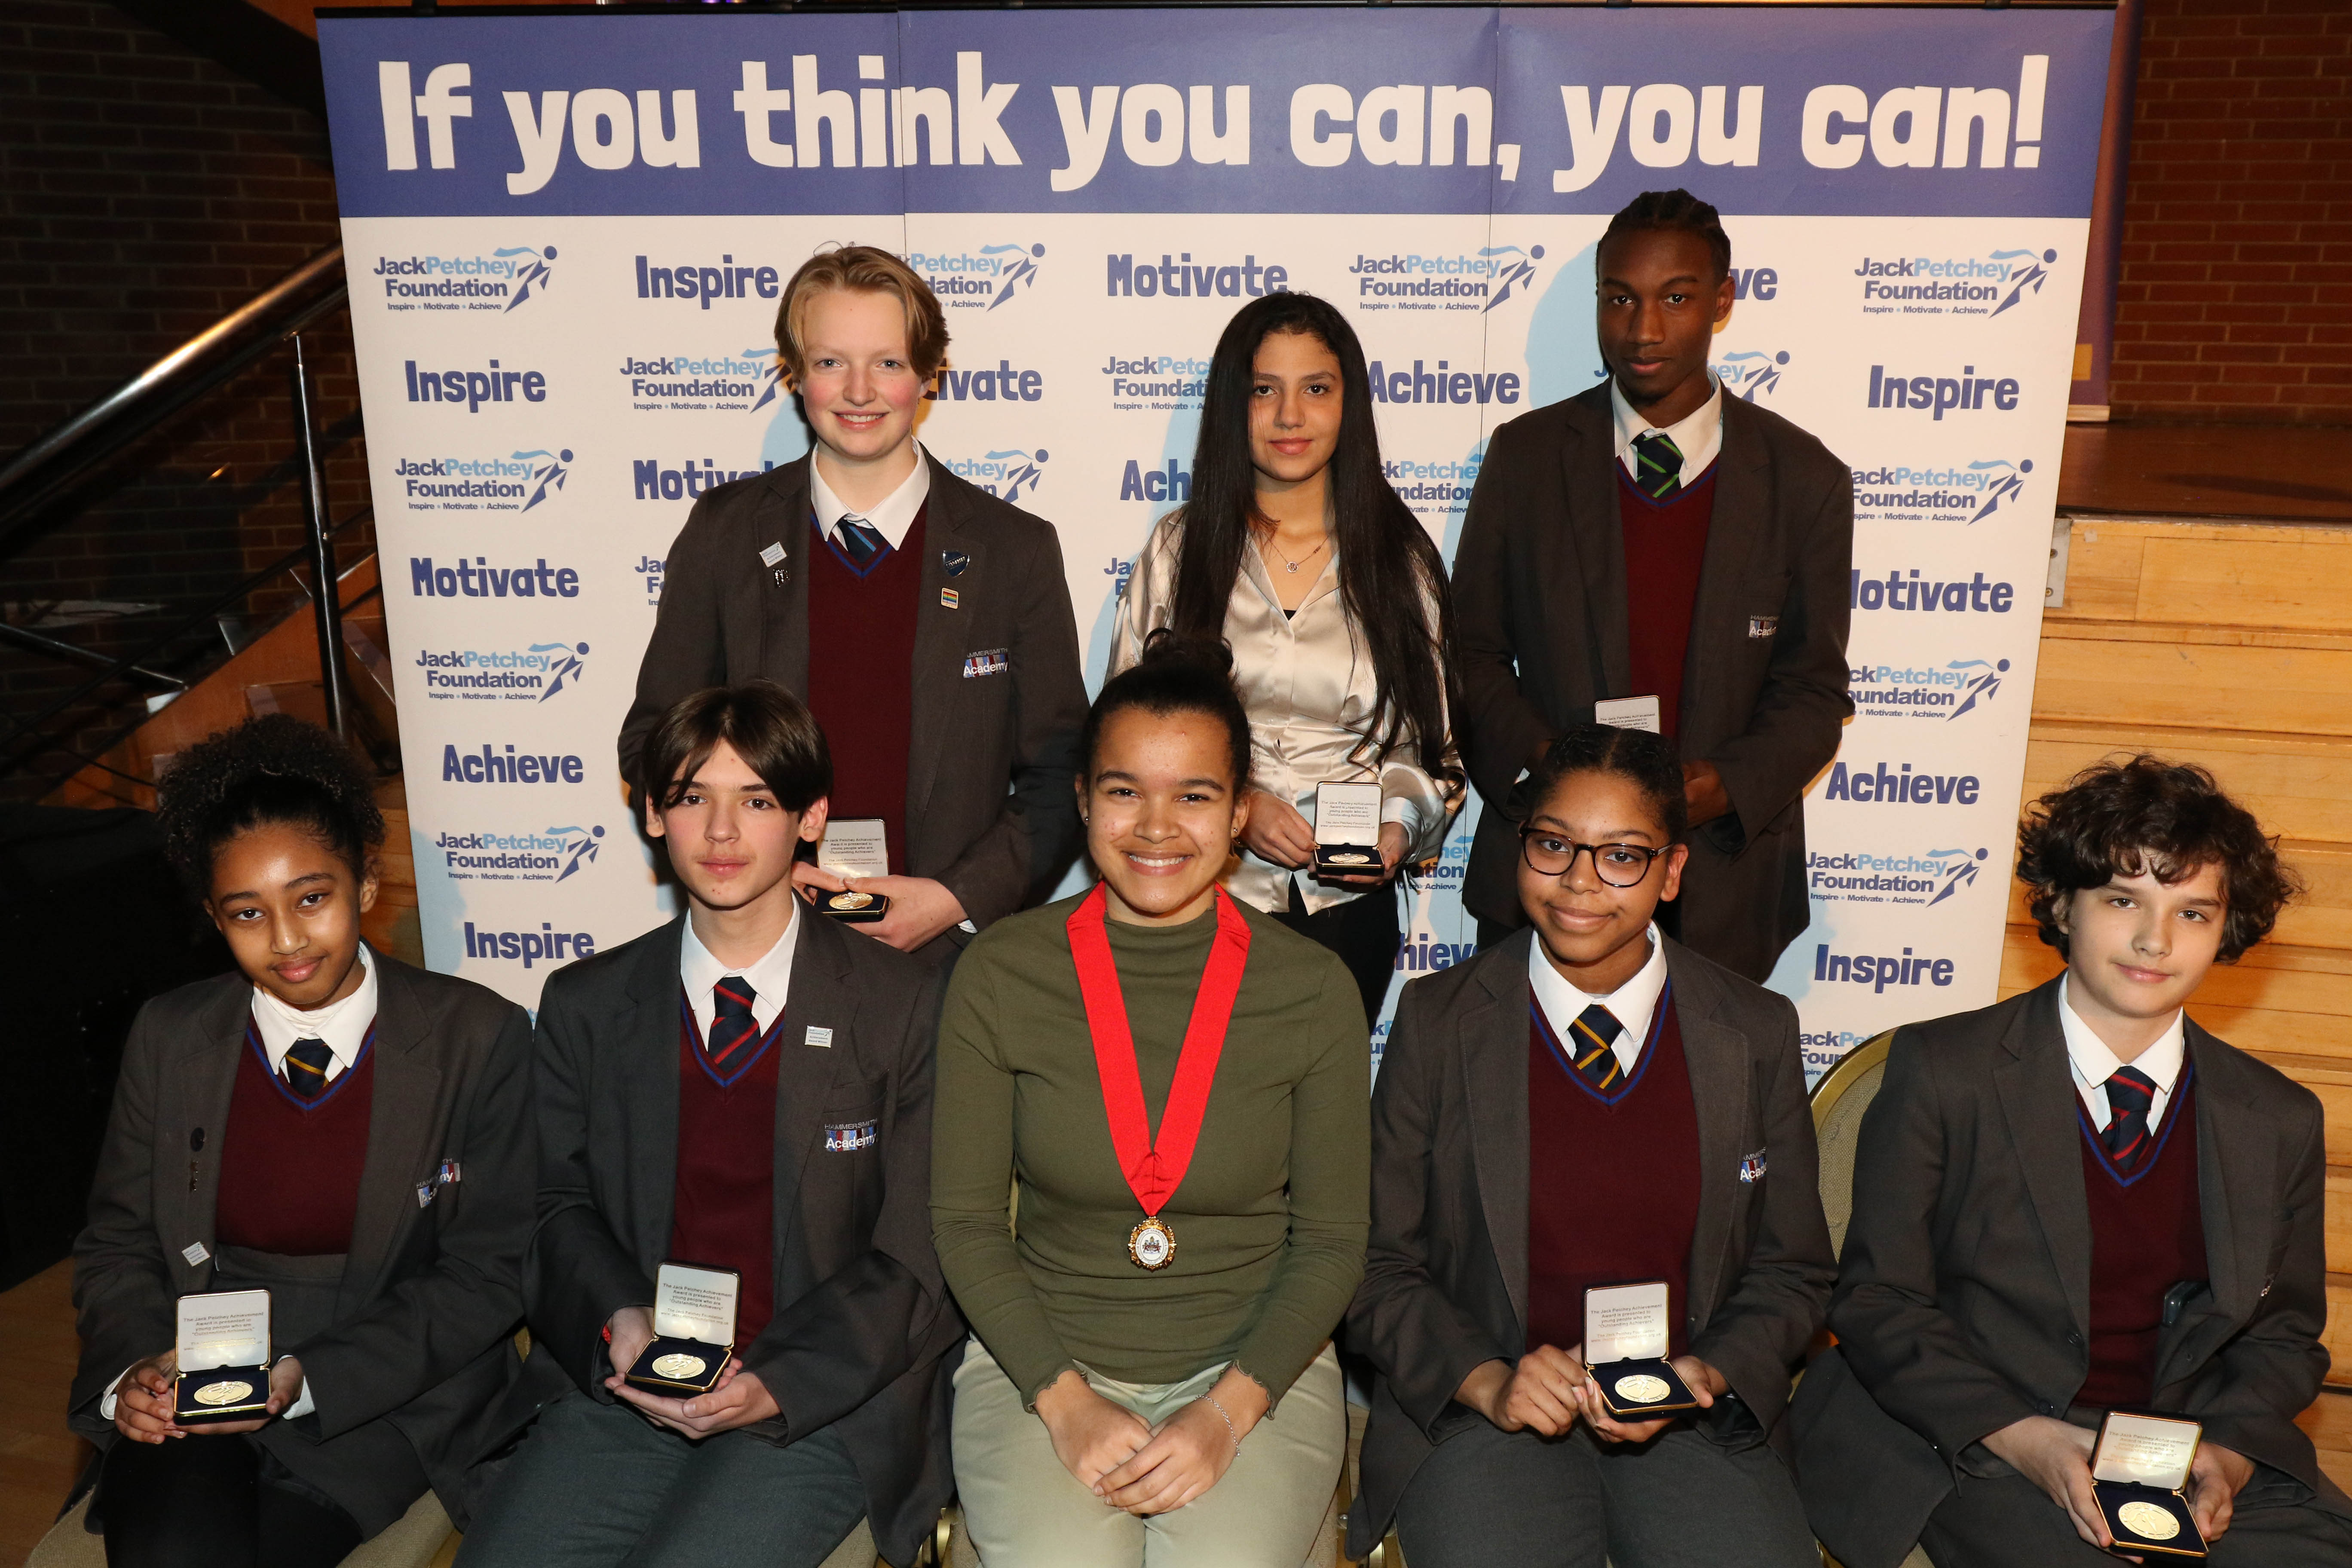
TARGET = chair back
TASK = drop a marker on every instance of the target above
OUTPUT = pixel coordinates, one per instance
(1840, 1096)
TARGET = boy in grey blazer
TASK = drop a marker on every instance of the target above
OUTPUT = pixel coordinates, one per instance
(2078, 1200)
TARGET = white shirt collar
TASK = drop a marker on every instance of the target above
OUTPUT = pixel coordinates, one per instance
(769, 978)
(1634, 1004)
(891, 519)
(2094, 1063)
(343, 1025)
(1698, 435)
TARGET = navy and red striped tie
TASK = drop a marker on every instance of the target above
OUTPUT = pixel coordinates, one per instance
(2130, 1095)
(732, 1027)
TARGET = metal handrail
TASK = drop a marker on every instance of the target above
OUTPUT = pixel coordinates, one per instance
(37, 474)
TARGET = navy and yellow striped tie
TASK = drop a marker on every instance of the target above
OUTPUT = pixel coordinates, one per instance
(306, 1067)
(1593, 1037)
(1657, 464)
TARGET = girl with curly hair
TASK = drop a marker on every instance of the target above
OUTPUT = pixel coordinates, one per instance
(328, 1125)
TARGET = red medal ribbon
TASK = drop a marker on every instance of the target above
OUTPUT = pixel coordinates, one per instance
(1154, 1169)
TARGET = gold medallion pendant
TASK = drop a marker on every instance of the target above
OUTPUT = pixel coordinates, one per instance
(1151, 1245)
(2149, 1521)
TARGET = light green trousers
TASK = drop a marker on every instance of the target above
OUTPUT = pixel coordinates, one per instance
(1024, 1510)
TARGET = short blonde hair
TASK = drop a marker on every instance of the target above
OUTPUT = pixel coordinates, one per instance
(863, 269)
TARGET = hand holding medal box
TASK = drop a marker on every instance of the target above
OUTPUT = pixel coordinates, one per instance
(223, 1341)
(1625, 1340)
(1347, 829)
(694, 1331)
(1155, 1167)
(854, 846)
(2138, 1473)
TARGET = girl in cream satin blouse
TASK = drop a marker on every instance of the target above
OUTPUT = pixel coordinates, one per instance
(1296, 552)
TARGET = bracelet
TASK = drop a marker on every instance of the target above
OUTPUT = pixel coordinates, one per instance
(1212, 1401)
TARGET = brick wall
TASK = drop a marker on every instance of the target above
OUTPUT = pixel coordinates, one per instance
(2235, 297)
(145, 192)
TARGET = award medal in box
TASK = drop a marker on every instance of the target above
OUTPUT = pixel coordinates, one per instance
(2138, 1473)
(854, 846)
(223, 1344)
(1155, 1167)
(694, 1332)
(1347, 829)
(1625, 1341)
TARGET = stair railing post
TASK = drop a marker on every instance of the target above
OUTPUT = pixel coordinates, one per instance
(326, 597)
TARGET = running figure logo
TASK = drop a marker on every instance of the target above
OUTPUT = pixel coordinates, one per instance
(1509, 276)
(553, 474)
(1023, 470)
(582, 850)
(1762, 376)
(565, 666)
(534, 271)
(2007, 486)
(1961, 873)
(2033, 275)
(1979, 688)
(1021, 268)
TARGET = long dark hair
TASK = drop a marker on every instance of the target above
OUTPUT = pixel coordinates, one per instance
(1386, 562)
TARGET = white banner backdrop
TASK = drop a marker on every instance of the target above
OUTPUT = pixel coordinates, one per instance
(567, 238)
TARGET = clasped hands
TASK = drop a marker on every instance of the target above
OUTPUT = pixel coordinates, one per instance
(1548, 1391)
(920, 907)
(1280, 834)
(738, 1399)
(1129, 1463)
(2056, 1456)
(146, 1404)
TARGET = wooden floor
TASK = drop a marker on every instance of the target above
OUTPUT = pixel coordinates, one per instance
(2286, 474)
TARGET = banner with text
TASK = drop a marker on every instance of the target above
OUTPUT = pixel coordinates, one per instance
(568, 236)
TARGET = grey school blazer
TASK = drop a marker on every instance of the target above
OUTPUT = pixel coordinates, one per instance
(1963, 1301)
(863, 1321)
(1540, 622)
(1445, 1273)
(430, 1296)
(989, 808)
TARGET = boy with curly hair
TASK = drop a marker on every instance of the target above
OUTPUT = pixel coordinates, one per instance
(2078, 1201)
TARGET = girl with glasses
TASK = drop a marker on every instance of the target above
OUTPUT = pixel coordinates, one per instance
(1587, 1105)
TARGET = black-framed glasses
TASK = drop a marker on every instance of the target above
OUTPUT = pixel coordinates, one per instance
(1550, 854)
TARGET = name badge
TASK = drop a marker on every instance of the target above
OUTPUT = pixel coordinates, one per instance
(1763, 626)
(987, 661)
(820, 1038)
(1628, 713)
(196, 1254)
(847, 1137)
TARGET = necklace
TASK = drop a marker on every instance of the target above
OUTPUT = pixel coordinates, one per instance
(1289, 565)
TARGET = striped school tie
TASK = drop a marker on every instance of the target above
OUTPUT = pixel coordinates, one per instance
(861, 542)
(2131, 1093)
(732, 1025)
(306, 1067)
(1592, 1038)
(1657, 464)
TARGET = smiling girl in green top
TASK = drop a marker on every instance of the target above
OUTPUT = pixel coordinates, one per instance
(1176, 1083)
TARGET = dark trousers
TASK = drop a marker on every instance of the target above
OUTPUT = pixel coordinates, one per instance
(1363, 931)
(214, 1503)
(596, 1485)
(1680, 1501)
(1993, 1522)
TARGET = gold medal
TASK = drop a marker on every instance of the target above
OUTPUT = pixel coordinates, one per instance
(850, 900)
(1348, 857)
(2147, 1521)
(1641, 1388)
(1151, 1245)
(230, 1391)
(678, 1367)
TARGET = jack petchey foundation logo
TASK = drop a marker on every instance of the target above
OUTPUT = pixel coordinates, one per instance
(502, 280)
(1939, 694)
(1161, 382)
(982, 280)
(1008, 473)
(1963, 492)
(1475, 281)
(516, 482)
(552, 854)
(745, 381)
(538, 673)
(1751, 373)
(1986, 284)
(1919, 878)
